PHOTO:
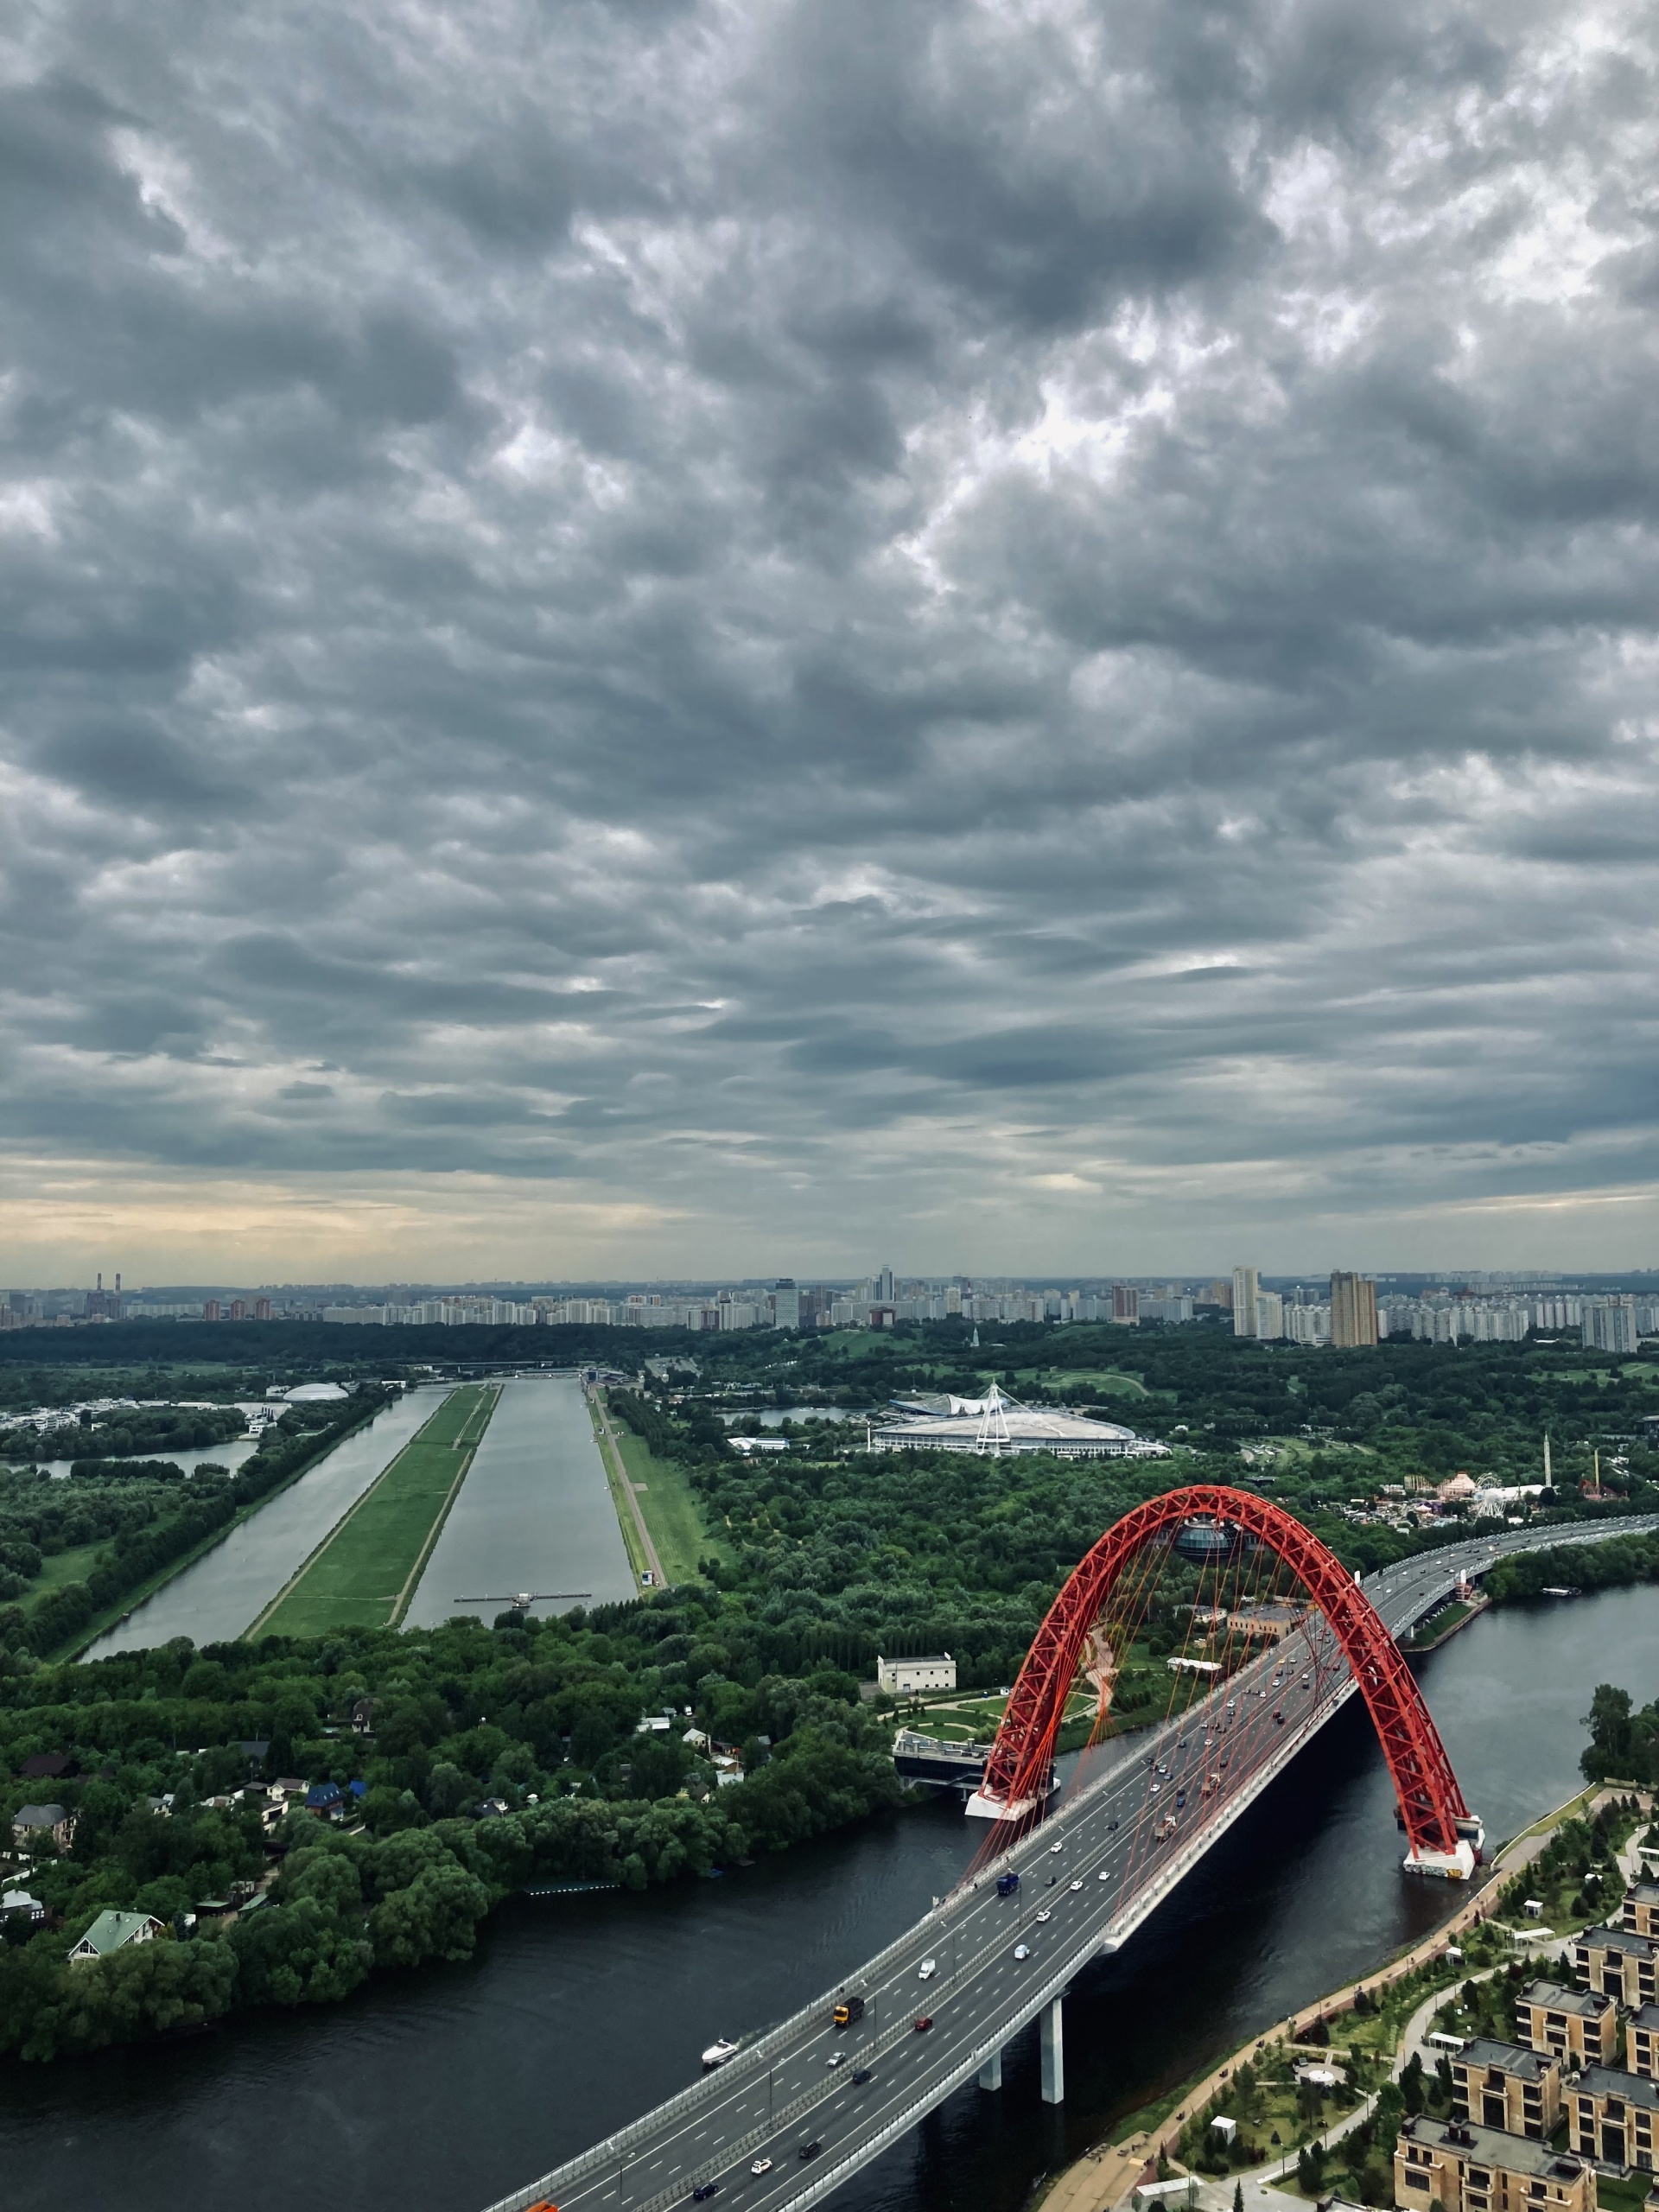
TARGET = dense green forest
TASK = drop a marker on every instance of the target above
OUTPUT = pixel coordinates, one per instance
(538, 1716)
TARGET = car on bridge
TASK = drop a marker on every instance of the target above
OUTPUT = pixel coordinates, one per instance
(810, 2150)
(702, 2195)
(1044, 1915)
(862, 2075)
(1022, 1950)
(923, 2022)
(926, 1971)
(761, 2166)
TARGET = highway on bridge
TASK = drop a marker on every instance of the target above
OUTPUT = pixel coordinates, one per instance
(1089, 1874)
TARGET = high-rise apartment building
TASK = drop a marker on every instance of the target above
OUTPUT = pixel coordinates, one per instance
(1247, 1288)
(1353, 1310)
(1609, 1324)
(1269, 1315)
(785, 1305)
(1126, 1304)
(884, 1287)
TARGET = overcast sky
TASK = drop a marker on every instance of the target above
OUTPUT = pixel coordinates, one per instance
(747, 637)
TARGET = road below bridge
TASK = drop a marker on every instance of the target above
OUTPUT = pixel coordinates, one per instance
(1090, 1875)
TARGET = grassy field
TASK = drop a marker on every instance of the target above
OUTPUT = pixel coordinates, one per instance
(364, 1573)
(670, 1506)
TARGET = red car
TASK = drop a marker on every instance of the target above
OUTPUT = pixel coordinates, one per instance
(924, 2024)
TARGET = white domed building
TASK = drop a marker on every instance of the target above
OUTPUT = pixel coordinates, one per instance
(997, 1426)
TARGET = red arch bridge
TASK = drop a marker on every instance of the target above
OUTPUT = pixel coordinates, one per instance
(1254, 1635)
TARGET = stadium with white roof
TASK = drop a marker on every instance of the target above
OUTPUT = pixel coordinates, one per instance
(997, 1426)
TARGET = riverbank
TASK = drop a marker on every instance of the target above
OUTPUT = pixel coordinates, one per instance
(1109, 2171)
(1446, 1624)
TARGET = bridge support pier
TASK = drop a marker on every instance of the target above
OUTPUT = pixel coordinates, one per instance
(990, 2074)
(1052, 2032)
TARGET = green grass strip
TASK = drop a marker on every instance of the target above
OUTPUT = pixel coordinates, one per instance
(670, 1505)
(365, 1572)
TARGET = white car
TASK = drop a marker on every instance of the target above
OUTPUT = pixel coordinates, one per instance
(1104, 1875)
(836, 2058)
(1076, 1885)
(928, 1969)
(1022, 1950)
(1053, 1847)
(761, 2166)
(1043, 1915)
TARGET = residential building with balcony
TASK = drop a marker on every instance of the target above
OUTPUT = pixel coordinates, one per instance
(1468, 2168)
(1578, 2026)
(1505, 2085)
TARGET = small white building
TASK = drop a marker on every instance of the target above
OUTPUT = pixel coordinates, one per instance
(904, 1677)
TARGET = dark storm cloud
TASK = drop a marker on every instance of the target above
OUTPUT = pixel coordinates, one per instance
(795, 612)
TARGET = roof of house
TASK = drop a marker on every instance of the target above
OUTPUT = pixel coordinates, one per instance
(324, 1793)
(1614, 2081)
(48, 1766)
(111, 1930)
(1590, 2003)
(1620, 1939)
(1490, 2146)
(39, 1817)
(1641, 1893)
(1514, 2058)
(1645, 2015)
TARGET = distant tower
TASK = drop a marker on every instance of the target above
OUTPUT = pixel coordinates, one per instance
(1550, 1480)
(884, 1287)
(1247, 1288)
(974, 1346)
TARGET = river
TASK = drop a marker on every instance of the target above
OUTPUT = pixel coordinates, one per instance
(535, 1512)
(227, 1588)
(441, 2090)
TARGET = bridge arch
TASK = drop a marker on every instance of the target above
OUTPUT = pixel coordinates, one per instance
(1019, 1772)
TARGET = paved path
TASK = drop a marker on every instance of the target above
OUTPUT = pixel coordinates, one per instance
(620, 1465)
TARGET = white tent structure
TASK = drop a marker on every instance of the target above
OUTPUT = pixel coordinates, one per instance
(996, 1426)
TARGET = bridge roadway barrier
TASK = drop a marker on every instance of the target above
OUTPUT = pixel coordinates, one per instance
(754, 2060)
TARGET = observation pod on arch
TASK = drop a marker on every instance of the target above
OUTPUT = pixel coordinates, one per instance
(1444, 1837)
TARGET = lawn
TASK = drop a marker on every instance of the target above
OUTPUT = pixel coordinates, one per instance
(364, 1573)
(670, 1506)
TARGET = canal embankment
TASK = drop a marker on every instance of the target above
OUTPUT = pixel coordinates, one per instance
(211, 1591)
(365, 1570)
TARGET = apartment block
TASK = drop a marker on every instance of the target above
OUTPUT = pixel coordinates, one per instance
(1613, 2115)
(1579, 2026)
(1617, 1963)
(1477, 2170)
(1504, 2085)
(1642, 2041)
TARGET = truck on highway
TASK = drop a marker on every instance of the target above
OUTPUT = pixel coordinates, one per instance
(1007, 1884)
(847, 2010)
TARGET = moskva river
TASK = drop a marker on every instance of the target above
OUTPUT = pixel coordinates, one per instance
(441, 2090)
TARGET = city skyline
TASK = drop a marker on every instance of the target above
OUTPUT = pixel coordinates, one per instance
(700, 632)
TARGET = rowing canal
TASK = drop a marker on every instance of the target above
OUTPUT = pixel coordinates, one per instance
(440, 2091)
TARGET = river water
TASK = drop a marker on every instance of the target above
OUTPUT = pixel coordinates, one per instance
(441, 2090)
(227, 1588)
(535, 1512)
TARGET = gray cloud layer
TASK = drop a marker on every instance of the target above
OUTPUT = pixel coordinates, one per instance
(1004, 628)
